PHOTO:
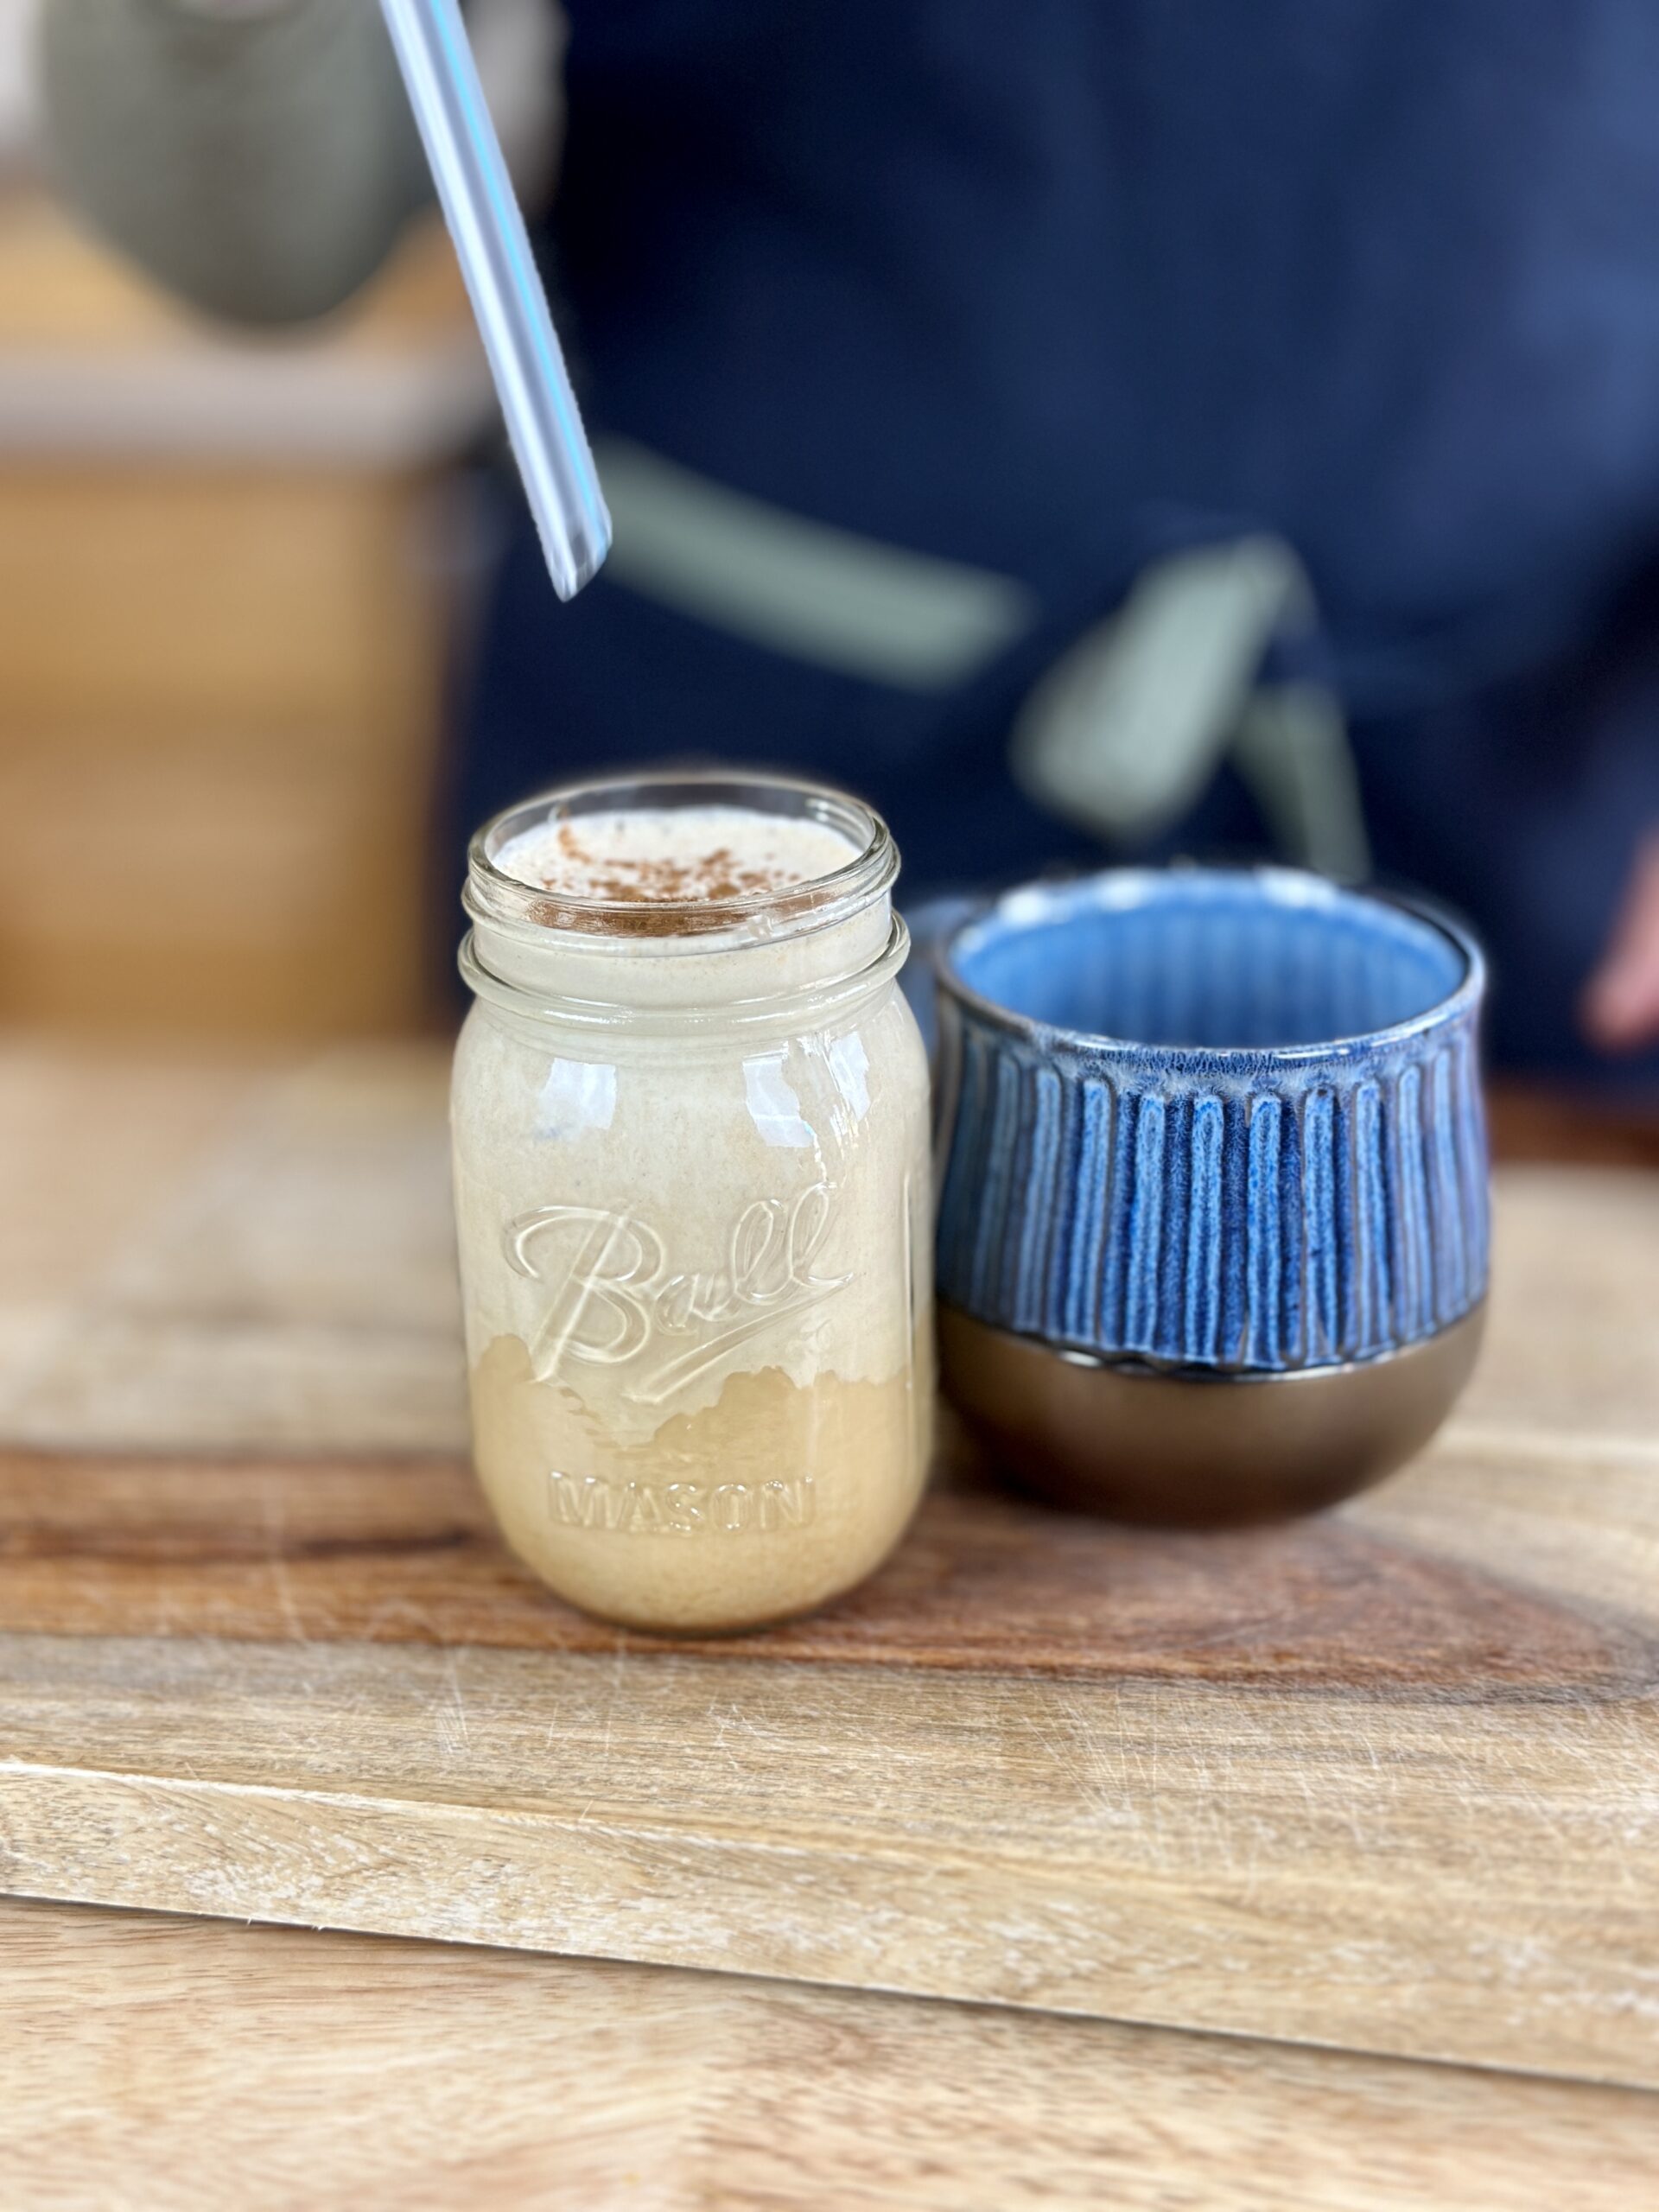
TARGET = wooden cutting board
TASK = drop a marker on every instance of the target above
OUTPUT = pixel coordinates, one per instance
(1389, 1779)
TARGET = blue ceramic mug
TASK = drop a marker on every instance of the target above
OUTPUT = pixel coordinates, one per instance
(1212, 1237)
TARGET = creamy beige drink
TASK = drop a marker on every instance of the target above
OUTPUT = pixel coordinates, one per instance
(692, 1188)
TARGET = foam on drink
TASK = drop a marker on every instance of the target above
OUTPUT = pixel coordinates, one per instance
(674, 855)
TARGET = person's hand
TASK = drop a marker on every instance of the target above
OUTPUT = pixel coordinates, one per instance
(1619, 1010)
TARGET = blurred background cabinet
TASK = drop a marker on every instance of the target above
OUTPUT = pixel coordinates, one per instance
(228, 573)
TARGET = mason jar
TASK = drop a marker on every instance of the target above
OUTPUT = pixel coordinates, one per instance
(692, 1192)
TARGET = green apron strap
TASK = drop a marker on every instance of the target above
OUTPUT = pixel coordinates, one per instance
(800, 587)
(1126, 729)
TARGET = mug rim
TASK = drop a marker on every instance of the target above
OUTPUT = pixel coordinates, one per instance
(1285, 887)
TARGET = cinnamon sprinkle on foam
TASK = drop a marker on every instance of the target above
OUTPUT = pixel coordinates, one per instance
(667, 858)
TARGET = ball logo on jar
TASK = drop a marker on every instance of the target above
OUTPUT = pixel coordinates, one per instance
(616, 1298)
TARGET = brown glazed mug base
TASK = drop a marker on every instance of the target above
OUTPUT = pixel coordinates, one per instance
(1182, 1447)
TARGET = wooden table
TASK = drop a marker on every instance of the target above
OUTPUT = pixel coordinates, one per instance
(155, 2062)
(317, 2066)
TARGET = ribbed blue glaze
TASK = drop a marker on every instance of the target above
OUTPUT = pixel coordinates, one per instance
(1288, 1169)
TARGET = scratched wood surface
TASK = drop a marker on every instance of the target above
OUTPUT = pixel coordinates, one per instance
(1389, 1780)
(323, 2069)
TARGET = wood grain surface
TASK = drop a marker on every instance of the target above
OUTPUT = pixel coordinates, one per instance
(184, 2065)
(1388, 1780)
(372, 1551)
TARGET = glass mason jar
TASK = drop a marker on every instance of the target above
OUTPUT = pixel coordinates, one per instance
(693, 1196)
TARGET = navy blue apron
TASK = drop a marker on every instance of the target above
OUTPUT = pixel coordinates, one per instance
(1055, 289)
